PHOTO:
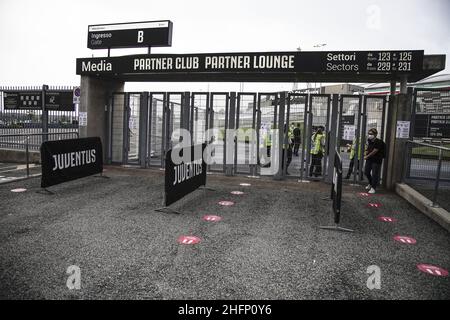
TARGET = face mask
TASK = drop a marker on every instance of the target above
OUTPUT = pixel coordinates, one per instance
(371, 137)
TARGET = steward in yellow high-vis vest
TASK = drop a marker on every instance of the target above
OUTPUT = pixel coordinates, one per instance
(352, 157)
(317, 151)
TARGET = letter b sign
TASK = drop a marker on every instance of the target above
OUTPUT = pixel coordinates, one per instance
(140, 38)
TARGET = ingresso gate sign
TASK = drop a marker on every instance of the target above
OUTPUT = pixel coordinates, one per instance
(351, 62)
(130, 35)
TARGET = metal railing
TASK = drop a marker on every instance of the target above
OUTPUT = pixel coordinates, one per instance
(27, 140)
(435, 156)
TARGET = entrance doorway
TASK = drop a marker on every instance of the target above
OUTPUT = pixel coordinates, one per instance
(141, 127)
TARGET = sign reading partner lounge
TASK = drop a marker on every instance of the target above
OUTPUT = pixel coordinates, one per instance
(297, 62)
(185, 177)
(71, 159)
(130, 35)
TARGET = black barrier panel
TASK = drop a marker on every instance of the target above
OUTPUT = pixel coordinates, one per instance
(181, 179)
(336, 191)
(71, 159)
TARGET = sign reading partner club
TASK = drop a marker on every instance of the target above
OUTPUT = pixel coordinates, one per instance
(184, 177)
(70, 159)
(308, 62)
(130, 35)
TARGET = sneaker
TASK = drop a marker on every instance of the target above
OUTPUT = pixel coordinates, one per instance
(371, 191)
(368, 187)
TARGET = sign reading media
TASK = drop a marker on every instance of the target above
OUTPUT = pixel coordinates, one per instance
(130, 35)
(71, 159)
(181, 179)
(280, 62)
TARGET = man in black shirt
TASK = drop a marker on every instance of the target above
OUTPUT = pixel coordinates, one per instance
(374, 158)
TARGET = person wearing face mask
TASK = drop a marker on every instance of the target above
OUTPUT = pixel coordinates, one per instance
(374, 158)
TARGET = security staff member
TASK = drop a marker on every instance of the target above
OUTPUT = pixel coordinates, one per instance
(268, 145)
(374, 158)
(287, 149)
(352, 157)
(317, 151)
(297, 139)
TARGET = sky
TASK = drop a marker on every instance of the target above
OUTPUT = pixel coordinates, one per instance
(40, 40)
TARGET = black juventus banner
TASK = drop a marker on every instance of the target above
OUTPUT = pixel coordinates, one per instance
(181, 179)
(336, 187)
(71, 159)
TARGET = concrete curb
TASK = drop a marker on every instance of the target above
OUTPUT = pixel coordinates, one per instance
(440, 215)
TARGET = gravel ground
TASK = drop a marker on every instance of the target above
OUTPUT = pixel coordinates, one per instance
(268, 245)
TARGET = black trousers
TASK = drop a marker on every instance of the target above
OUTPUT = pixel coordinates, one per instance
(296, 148)
(289, 157)
(351, 166)
(372, 172)
(316, 165)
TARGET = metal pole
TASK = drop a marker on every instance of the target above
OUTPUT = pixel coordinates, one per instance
(28, 157)
(438, 176)
(44, 117)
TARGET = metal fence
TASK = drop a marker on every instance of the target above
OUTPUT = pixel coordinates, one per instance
(14, 123)
(428, 170)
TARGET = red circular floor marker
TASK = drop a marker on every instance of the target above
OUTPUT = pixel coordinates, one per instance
(364, 194)
(245, 184)
(374, 205)
(387, 219)
(188, 240)
(405, 239)
(237, 193)
(226, 203)
(212, 218)
(18, 190)
(433, 270)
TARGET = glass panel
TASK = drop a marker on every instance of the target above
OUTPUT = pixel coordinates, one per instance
(218, 112)
(133, 127)
(349, 123)
(199, 118)
(268, 108)
(156, 129)
(117, 128)
(174, 117)
(297, 129)
(245, 136)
